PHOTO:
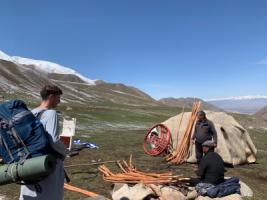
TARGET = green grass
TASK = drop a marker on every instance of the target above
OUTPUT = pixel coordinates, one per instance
(100, 118)
(119, 145)
(255, 175)
(118, 142)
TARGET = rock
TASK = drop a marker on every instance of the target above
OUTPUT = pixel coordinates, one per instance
(137, 192)
(245, 190)
(140, 191)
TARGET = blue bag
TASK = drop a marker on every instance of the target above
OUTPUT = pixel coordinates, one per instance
(229, 186)
(22, 135)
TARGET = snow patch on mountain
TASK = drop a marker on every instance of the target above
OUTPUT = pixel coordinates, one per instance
(243, 104)
(45, 66)
(124, 93)
(248, 97)
(4, 56)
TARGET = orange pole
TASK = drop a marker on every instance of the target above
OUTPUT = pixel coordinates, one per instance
(79, 190)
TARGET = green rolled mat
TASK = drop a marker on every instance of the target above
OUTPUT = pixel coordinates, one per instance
(32, 169)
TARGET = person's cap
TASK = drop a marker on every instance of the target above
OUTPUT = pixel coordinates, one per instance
(201, 112)
(208, 143)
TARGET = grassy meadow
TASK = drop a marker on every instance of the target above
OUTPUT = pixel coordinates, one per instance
(119, 131)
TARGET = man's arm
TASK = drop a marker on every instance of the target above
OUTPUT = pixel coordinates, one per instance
(213, 132)
(52, 127)
(194, 133)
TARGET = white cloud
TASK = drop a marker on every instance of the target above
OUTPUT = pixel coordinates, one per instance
(262, 62)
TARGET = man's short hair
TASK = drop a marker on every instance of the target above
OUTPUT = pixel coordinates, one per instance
(50, 89)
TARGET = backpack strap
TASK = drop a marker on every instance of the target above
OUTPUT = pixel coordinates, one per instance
(7, 148)
(16, 137)
(39, 114)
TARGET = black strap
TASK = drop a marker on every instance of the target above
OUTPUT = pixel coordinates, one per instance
(8, 150)
(66, 176)
(39, 114)
(26, 151)
(38, 188)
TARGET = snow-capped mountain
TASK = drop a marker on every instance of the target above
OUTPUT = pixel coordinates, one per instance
(249, 97)
(4, 56)
(45, 66)
(23, 78)
(241, 104)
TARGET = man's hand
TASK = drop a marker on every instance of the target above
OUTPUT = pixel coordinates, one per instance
(215, 145)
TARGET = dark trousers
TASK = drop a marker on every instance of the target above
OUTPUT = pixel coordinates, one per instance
(199, 151)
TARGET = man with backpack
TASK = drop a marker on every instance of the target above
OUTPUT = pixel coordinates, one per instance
(51, 187)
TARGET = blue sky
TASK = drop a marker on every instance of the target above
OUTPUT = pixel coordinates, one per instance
(202, 48)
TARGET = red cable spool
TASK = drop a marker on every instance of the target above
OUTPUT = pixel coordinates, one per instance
(157, 140)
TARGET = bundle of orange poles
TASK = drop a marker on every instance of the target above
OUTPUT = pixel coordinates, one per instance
(130, 174)
(180, 153)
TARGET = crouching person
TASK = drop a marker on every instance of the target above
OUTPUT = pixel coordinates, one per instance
(51, 187)
(211, 172)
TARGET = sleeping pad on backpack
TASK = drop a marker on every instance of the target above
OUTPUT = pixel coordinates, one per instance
(31, 170)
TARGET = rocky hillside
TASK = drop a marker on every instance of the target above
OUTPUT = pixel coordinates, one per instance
(187, 102)
(262, 113)
(21, 80)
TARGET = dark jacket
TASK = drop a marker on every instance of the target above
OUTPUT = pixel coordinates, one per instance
(204, 130)
(211, 168)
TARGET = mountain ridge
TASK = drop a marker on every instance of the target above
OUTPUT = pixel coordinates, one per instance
(24, 76)
(247, 97)
(262, 113)
(44, 66)
(19, 80)
(187, 102)
(241, 105)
